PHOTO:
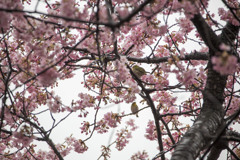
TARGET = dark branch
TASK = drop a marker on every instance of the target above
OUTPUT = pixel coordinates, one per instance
(229, 33)
(192, 56)
(206, 32)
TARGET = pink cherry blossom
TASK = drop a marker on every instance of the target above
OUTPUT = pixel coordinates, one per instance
(55, 105)
(122, 71)
(48, 77)
(67, 8)
(225, 66)
(111, 119)
(80, 146)
(122, 140)
(140, 155)
(5, 21)
(102, 127)
(85, 128)
(23, 139)
(151, 133)
(132, 124)
(224, 47)
(188, 77)
(185, 24)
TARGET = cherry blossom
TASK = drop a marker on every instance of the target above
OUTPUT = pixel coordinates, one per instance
(140, 155)
(48, 77)
(122, 139)
(151, 131)
(80, 146)
(226, 64)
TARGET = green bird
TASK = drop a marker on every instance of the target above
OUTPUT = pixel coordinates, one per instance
(138, 71)
(134, 108)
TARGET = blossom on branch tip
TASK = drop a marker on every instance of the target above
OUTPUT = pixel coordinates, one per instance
(54, 106)
(48, 77)
(132, 124)
(140, 155)
(163, 29)
(225, 64)
(112, 119)
(122, 139)
(224, 47)
(67, 8)
(151, 132)
(80, 146)
(23, 137)
(122, 71)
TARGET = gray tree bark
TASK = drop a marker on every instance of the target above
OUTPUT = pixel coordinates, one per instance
(208, 127)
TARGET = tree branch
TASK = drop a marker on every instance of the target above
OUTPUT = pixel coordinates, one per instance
(229, 33)
(192, 56)
(200, 133)
(206, 33)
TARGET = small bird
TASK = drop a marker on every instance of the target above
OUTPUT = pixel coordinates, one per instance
(138, 71)
(134, 108)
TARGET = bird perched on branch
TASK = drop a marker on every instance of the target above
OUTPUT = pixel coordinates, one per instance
(138, 71)
(134, 108)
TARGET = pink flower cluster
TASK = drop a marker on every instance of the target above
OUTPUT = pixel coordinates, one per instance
(170, 109)
(185, 24)
(125, 134)
(189, 7)
(225, 64)
(168, 142)
(151, 133)
(122, 139)
(176, 37)
(6, 18)
(105, 152)
(164, 98)
(160, 81)
(234, 106)
(54, 105)
(2, 148)
(5, 21)
(228, 16)
(48, 77)
(102, 127)
(133, 89)
(132, 124)
(122, 71)
(140, 155)
(163, 29)
(187, 77)
(110, 120)
(85, 127)
(123, 76)
(122, 11)
(25, 140)
(79, 146)
(85, 101)
(67, 8)
(153, 31)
